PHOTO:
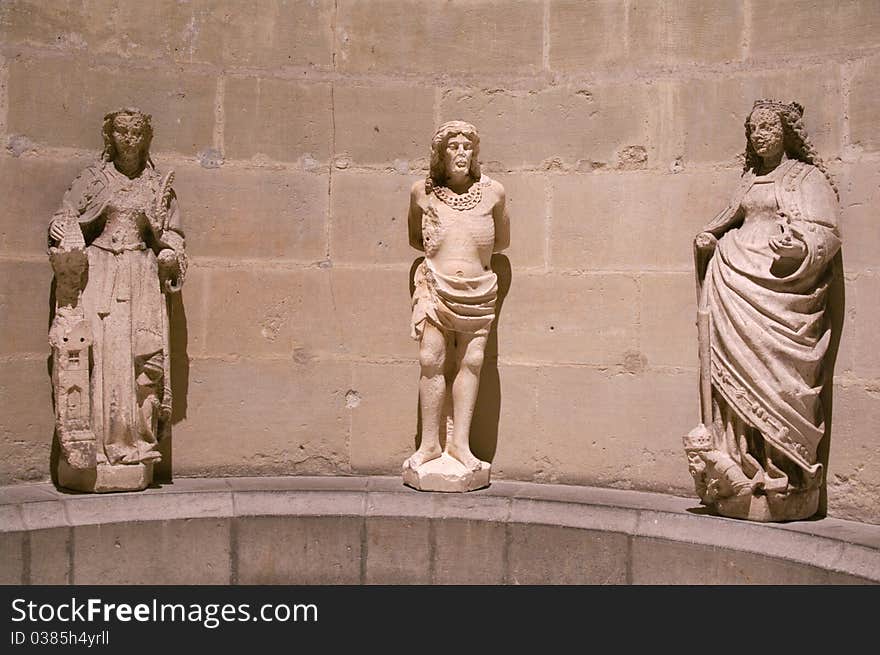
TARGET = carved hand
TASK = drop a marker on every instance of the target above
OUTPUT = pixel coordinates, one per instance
(790, 243)
(167, 262)
(56, 230)
(705, 241)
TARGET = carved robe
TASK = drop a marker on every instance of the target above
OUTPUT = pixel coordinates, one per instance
(768, 330)
(125, 306)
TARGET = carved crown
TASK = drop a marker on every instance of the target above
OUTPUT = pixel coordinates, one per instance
(700, 438)
(776, 105)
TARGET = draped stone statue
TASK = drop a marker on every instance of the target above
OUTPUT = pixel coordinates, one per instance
(457, 217)
(117, 248)
(763, 270)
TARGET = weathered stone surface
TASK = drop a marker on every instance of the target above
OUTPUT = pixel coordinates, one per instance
(26, 423)
(24, 306)
(276, 311)
(570, 124)
(865, 303)
(370, 227)
(50, 556)
(260, 214)
(308, 437)
(383, 405)
(268, 34)
(589, 318)
(399, 41)
(863, 98)
(632, 221)
(398, 551)
(700, 103)
(280, 119)
(469, 552)
(506, 428)
(543, 554)
(30, 189)
(859, 199)
(667, 329)
(584, 36)
(791, 27)
(600, 427)
(379, 298)
(316, 550)
(60, 102)
(527, 208)
(195, 551)
(383, 124)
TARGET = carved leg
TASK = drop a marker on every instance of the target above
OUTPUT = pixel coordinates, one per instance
(469, 353)
(432, 394)
(149, 384)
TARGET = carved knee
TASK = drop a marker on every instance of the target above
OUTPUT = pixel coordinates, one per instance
(432, 358)
(473, 361)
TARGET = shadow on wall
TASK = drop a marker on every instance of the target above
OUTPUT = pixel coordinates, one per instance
(836, 311)
(487, 412)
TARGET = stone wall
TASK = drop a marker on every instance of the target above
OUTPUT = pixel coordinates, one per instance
(296, 128)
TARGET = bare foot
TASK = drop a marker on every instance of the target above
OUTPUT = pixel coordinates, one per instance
(466, 457)
(422, 455)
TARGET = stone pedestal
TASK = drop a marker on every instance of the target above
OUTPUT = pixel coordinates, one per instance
(793, 506)
(446, 473)
(106, 478)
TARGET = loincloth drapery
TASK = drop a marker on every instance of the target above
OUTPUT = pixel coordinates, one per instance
(455, 304)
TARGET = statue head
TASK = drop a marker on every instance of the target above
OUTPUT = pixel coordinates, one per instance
(127, 133)
(446, 156)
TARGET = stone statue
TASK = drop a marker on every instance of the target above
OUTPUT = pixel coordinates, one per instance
(763, 270)
(117, 248)
(457, 217)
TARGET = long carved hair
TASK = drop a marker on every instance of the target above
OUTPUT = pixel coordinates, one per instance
(796, 142)
(437, 172)
(109, 153)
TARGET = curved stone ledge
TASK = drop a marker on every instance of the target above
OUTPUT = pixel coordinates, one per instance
(352, 530)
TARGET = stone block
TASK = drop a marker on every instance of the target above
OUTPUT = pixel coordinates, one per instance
(580, 319)
(863, 98)
(865, 302)
(269, 417)
(12, 562)
(189, 316)
(668, 311)
(259, 311)
(31, 22)
(469, 552)
(505, 430)
(658, 561)
(403, 38)
(791, 27)
(281, 120)
(859, 200)
(259, 33)
(27, 422)
(50, 556)
(527, 209)
(299, 550)
(378, 300)
(25, 306)
(546, 554)
(589, 35)
(385, 124)
(31, 190)
(383, 405)
(242, 214)
(194, 551)
(61, 102)
(398, 551)
(633, 221)
(555, 127)
(710, 112)
(368, 223)
(622, 430)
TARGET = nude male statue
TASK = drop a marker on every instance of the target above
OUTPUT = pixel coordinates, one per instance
(457, 217)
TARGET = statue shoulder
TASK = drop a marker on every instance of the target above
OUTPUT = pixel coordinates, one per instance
(89, 182)
(494, 187)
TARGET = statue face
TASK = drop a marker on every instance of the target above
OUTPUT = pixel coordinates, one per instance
(459, 151)
(767, 134)
(128, 135)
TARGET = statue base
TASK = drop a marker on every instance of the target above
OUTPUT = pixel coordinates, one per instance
(105, 478)
(445, 473)
(793, 506)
